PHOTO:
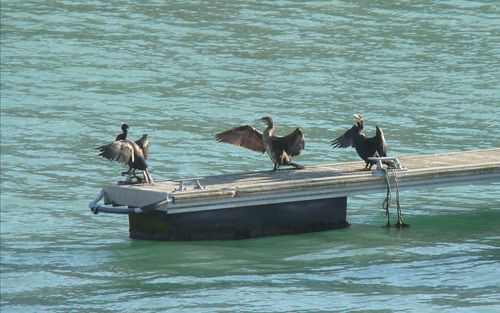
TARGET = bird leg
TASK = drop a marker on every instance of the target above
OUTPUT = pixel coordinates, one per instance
(127, 172)
(366, 166)
(275, 167)
(138, 179)
(297, 166)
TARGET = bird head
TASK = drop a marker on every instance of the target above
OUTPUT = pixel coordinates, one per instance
(267, 120)
(358, 117)
(124, 127)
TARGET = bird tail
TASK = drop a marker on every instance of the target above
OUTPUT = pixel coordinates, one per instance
(284, 158)
(149, 178)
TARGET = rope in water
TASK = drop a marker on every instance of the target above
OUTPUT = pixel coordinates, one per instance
(388, 198)
(392, 167)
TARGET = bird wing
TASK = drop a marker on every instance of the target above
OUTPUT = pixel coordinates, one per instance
(292, 143)
(120, 151)
(143, 144)
(243, 136)
(377, 143)
(381, 144)
(345, 140)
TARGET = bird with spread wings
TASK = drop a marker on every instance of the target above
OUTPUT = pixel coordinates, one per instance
(280, 149)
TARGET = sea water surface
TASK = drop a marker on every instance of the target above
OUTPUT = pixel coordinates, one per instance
(427, 72)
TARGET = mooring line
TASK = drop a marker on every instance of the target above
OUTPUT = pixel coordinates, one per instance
(391, 167)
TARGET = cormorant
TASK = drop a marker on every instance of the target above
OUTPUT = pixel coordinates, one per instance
(280, 149)
(123, 135)
(132, 153)
(365, 147)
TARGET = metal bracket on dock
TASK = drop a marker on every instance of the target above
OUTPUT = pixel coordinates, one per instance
(392, 164)
(189, 181)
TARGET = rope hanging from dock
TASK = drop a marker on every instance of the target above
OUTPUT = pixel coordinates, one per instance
(392, 168)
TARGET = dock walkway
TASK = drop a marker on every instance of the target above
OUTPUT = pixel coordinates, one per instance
(311, 183)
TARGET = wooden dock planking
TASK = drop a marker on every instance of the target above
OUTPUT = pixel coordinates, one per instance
(314, 182)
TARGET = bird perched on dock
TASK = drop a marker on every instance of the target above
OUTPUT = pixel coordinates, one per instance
(123, 135)
(365, 147)
(132, 153)
(280, 149)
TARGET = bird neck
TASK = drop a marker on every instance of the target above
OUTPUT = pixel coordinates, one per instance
(361, 126)
(269, 130)
(358, 133)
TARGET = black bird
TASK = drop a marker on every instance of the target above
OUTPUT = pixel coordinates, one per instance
(123, 135)
(132, 153)
(365, 147)
(280, 149)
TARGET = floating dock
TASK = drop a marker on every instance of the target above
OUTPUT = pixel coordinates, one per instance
(245, 205)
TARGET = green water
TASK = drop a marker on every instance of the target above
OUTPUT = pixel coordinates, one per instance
(427, 72)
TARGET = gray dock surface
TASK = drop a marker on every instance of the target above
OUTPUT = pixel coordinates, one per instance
(313, 182)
